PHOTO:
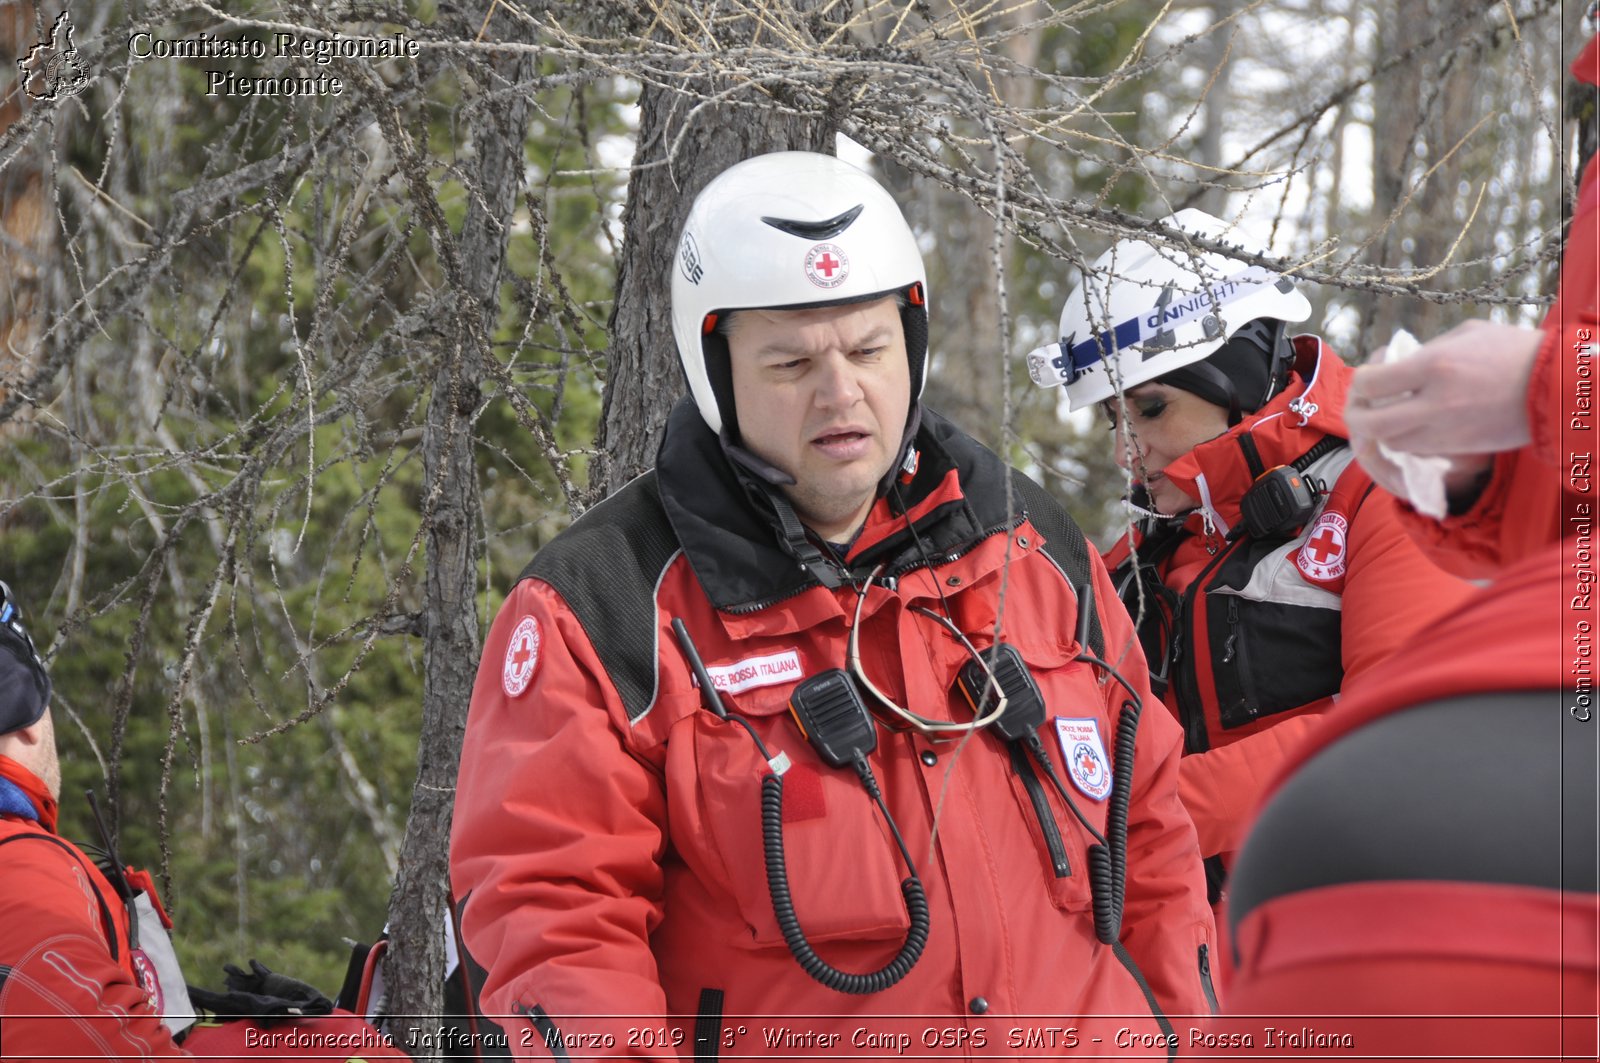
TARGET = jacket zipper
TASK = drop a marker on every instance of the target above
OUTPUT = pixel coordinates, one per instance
(549, 1033)
(1205, 978)
(1041, 808)
(708, 1026)
(1189, 714)
(1236, 647)
(956, 555)
(1191, 709)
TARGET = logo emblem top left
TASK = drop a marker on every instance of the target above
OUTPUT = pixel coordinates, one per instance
(52, 68)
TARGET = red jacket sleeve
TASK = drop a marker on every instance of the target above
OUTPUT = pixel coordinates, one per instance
(1519, 510)
(64, 997)
(557, 837)
(1392, 591)
(1165, 915)
(1221, 787)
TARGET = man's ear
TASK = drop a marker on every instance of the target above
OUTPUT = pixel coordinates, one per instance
(30, 735)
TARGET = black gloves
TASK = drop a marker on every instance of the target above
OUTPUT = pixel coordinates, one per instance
(261, 994)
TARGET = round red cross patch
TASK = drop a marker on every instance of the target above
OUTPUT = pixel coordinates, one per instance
(522, 657)
(149, 980)
(1322, 556)
(827, 266)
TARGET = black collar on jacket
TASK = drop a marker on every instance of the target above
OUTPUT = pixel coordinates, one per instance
(730, 531)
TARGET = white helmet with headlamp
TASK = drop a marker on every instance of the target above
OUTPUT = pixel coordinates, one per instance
(1146, 311)
(791, 230)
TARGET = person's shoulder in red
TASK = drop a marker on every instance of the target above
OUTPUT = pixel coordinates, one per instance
(67, 986)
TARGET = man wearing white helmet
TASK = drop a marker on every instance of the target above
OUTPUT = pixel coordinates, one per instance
(1265, 570)
(717, 720)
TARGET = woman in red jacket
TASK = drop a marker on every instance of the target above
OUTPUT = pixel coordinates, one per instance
(1264, 570)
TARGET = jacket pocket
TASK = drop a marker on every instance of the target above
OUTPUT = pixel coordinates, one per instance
(1271, 657)
(844, 870)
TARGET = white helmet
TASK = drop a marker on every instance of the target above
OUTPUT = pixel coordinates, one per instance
(1145, 310)
(790, 230)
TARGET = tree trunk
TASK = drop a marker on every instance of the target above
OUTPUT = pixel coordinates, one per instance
(1394, 131)
(25, 231)
(1581, 113)
(1216, 57)
(967, 365)
(683, 143)
(1433, 107)
(1436, 225)
(414, 966)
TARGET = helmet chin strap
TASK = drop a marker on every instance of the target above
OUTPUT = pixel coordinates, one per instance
(771, 480)
(765, 486)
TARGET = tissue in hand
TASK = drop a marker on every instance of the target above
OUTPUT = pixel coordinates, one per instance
(1424, 476)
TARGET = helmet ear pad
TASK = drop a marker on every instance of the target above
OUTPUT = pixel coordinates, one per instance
(719, 371)
(914, 320)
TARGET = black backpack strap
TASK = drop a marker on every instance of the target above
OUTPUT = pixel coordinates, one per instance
(1064, 543)
(606, 567)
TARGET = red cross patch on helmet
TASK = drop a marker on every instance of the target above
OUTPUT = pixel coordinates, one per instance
(827, 266)
(1322, 555)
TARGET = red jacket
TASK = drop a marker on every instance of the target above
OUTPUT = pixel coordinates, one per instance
(1276, 629)
(67, 983)
(1517, 962)
(607, 840)
(68, 987)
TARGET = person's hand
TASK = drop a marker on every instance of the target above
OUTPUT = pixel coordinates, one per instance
(1462, 396)
(1462, 393)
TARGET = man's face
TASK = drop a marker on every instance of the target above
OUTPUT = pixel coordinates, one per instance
(823, 395)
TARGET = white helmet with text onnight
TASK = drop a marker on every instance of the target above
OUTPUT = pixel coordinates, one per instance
(1145, 309)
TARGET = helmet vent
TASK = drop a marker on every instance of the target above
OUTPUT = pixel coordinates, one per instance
(816, 230)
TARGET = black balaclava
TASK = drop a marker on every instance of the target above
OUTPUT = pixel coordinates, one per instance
(1242, 374)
